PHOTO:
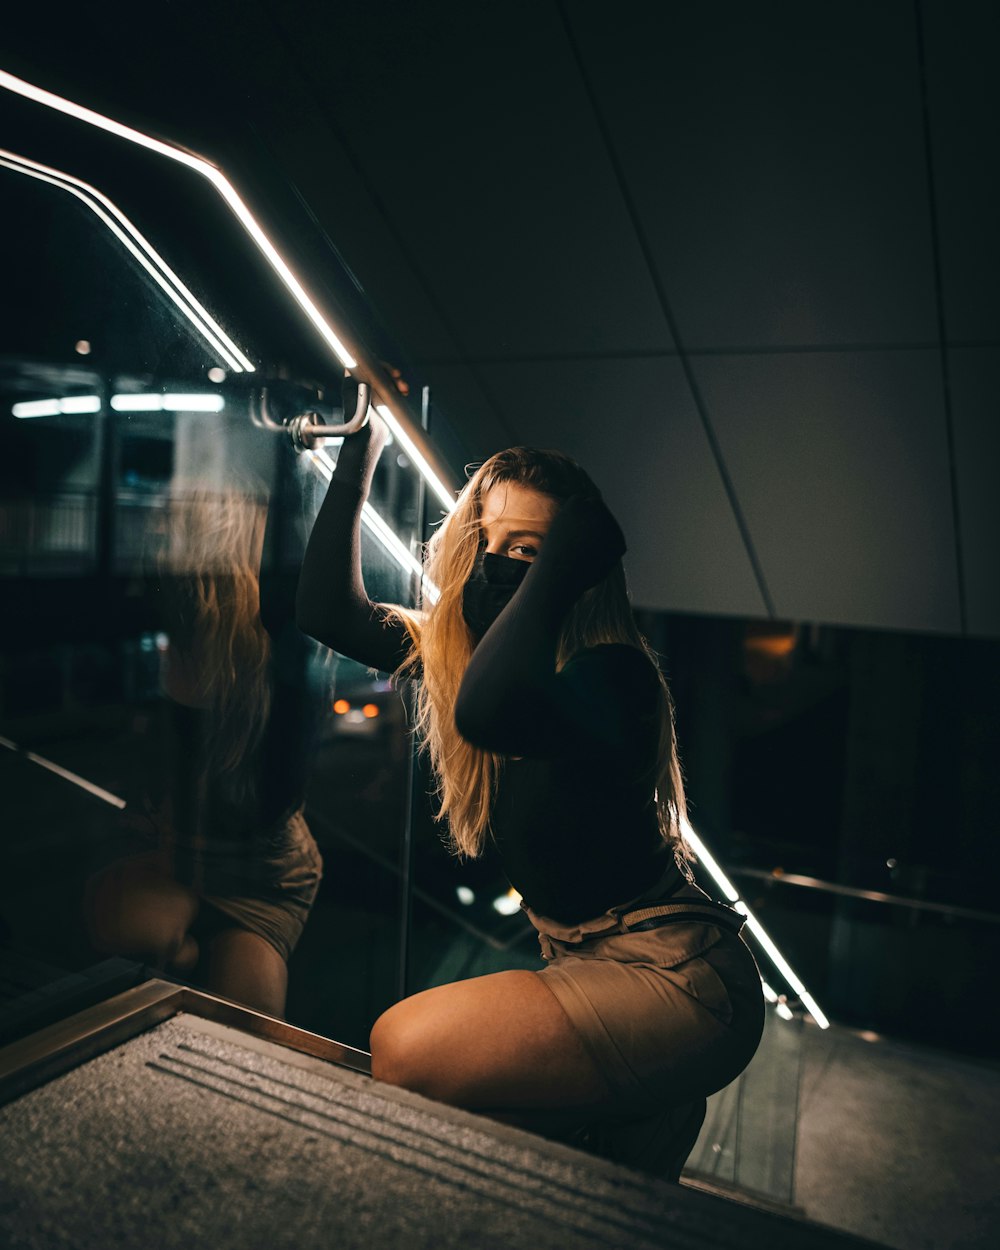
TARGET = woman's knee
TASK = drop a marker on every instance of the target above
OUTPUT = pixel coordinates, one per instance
(402, 1052)
(132, 914)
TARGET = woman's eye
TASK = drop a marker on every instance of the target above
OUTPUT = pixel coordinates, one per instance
(525, 551)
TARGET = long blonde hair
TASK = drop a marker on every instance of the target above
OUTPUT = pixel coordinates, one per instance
(209, 571)
(466, 777)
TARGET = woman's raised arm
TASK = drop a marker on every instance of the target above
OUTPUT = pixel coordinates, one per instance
(332, 605)
(512, 700)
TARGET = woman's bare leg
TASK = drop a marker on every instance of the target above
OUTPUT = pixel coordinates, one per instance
(246, 968)
(498, 1044)
(133, 908)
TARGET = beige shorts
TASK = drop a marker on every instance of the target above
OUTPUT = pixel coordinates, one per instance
(279, 921)
(670, 1015)
(267, 885)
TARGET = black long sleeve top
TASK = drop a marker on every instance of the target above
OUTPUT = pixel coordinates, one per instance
(574, 818)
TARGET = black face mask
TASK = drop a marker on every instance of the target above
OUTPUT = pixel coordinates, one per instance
(490, 587)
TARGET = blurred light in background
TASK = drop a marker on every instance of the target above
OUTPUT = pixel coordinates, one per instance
(168, 403)
(55, 407)
(509, 903)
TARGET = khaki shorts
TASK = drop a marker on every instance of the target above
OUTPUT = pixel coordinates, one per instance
(670, 1015)
(267, 886)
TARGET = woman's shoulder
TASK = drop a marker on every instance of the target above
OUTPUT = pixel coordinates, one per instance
(613, 664)
(620, 655)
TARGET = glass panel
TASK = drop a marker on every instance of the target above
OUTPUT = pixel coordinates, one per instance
(748, 1138)
(161, 719)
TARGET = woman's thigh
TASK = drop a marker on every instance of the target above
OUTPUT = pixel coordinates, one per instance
(134, 907)
(493, 1042)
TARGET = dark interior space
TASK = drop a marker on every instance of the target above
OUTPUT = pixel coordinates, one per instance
(738, 261)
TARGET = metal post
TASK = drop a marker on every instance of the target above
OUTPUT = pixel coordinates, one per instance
(413, 771)
(108, 457)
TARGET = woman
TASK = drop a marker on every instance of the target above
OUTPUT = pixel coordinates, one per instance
(550, 732)
(226, 890)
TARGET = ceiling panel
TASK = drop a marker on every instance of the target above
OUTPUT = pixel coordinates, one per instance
(840, 463)
(479, 427)
(964, 99)
(633, 427)
(313, 159)
(473, 131)
(775, 156)
(974, 374)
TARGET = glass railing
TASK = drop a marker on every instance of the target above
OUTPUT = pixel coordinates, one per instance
(747, 1142)
(162, 722)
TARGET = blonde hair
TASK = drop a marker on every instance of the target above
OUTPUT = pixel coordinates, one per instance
(466, 777)
(209, 569)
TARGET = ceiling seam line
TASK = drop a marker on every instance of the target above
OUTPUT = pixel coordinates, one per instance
(668, 316)
(543, 358)
(949, 422)
(398, 239)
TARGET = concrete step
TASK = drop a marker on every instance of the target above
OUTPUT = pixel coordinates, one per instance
(193, 1134)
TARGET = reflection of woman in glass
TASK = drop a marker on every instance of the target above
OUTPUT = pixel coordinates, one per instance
(230, 884)
(551, 733)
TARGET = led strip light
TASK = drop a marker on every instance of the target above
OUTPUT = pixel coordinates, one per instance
(446, 496)
(208, 171)
(148, 257)
(371, 518)
(756, 928)
(65, 773)
(137, 245)
(249, 223)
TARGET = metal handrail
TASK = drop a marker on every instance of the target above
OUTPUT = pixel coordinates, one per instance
(873, 896)
(309, 428)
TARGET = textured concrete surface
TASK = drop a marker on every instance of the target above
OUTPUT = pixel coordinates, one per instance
(899, 1143)
(192, 1135)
